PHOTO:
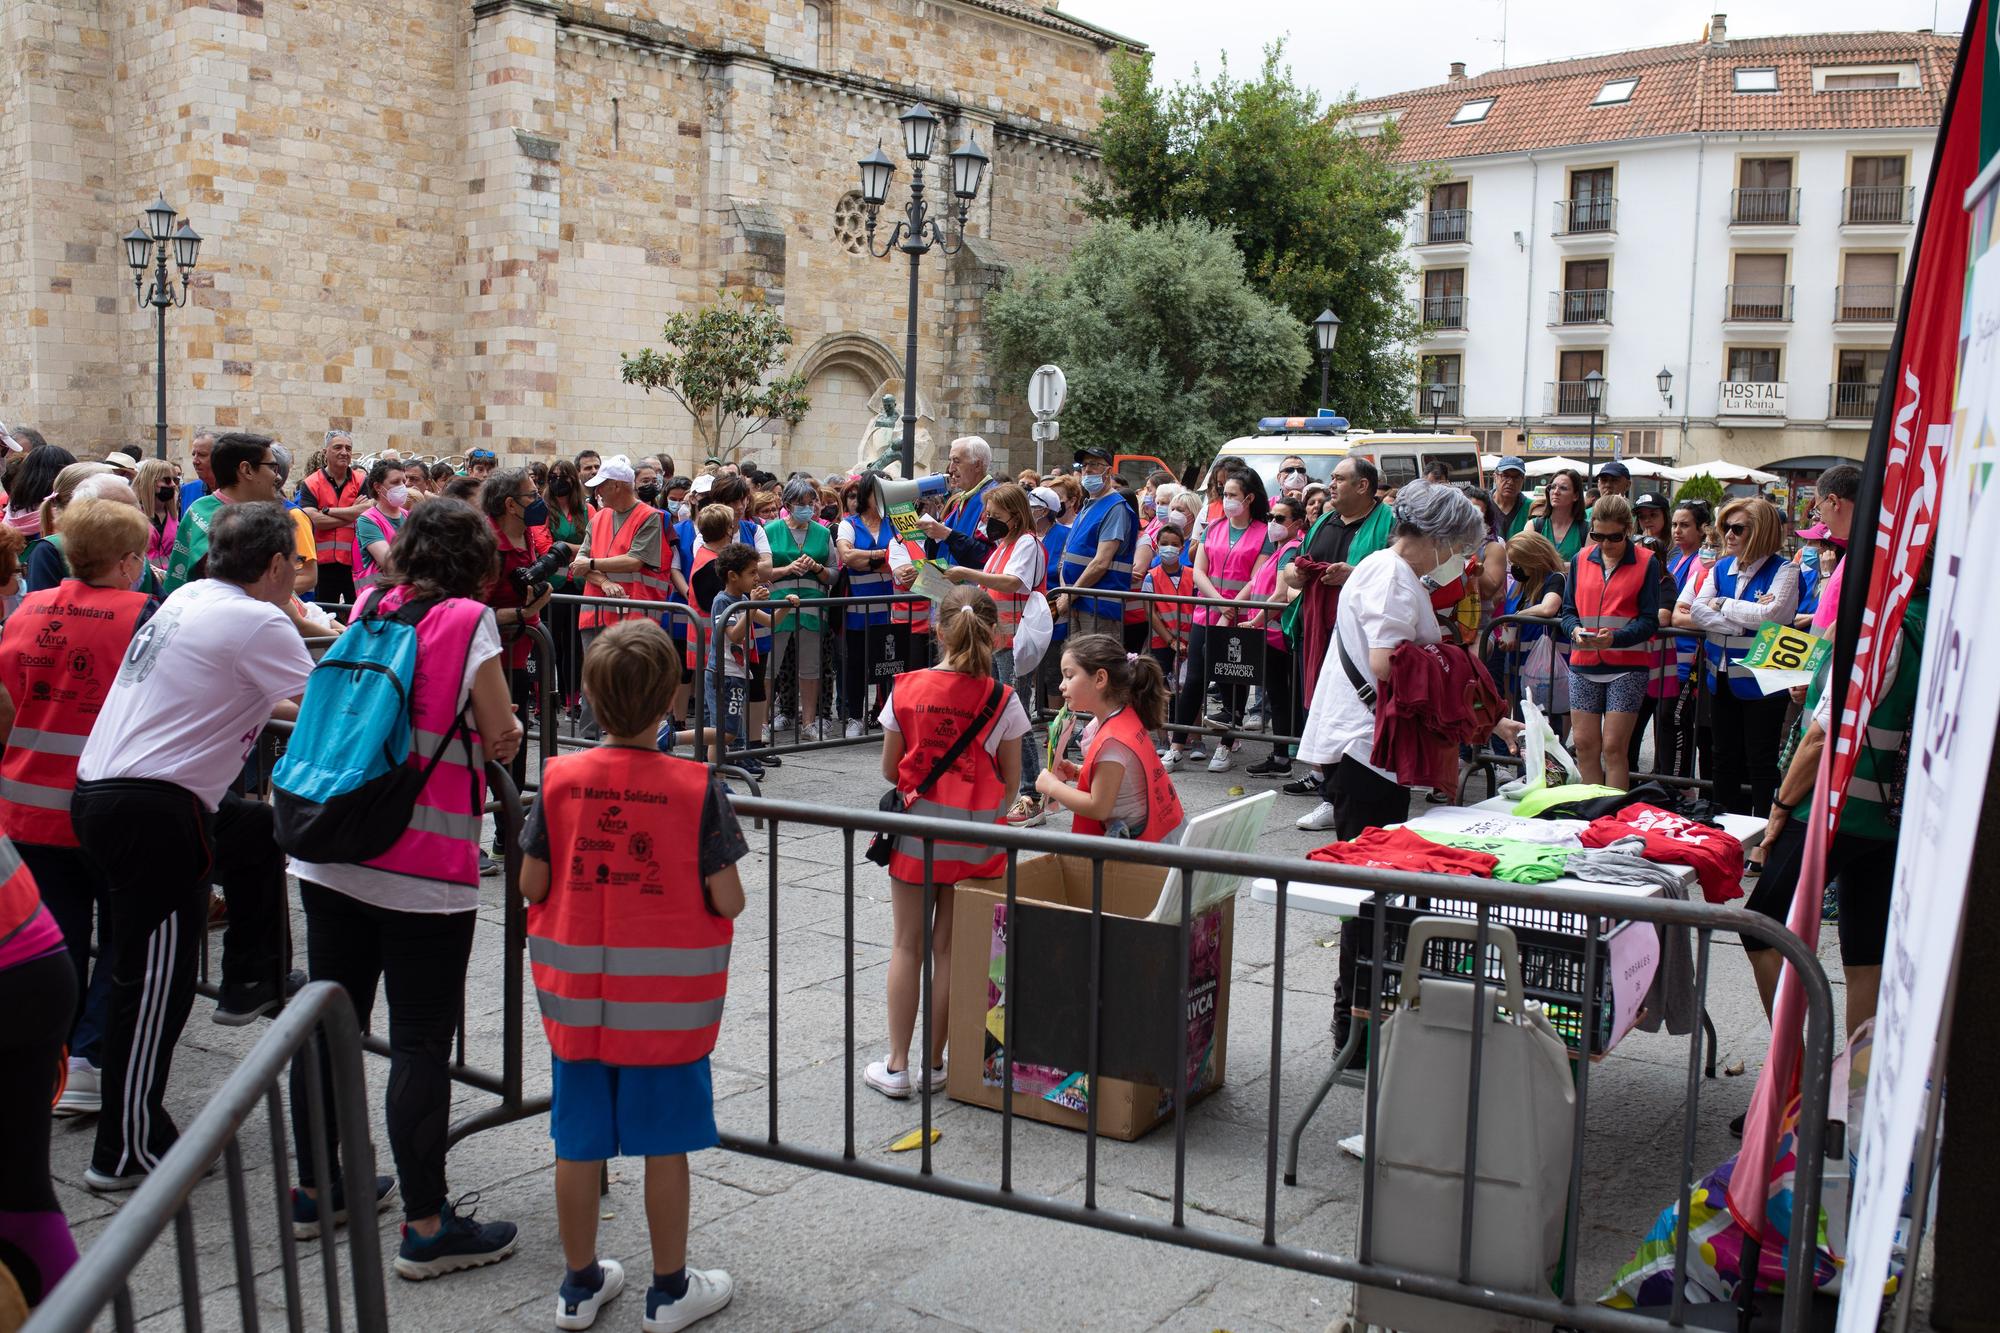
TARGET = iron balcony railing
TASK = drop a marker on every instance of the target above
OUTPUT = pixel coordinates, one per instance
(1758, 302)
(1584, 217)
(1444, 226)
(1571, 398)
(1443, 312)
(1877, 205)
(1580, 305)
(1448, 406)
(1764, 206)
(1867, 302)
(1852, 402)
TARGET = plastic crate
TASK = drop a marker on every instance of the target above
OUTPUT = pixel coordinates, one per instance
(1551, 945)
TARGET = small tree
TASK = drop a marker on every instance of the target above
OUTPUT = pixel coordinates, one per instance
(717, 365)
(1167, 346)
(1706, 489)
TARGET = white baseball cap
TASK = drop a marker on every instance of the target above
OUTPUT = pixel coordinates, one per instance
(702, 484)
(1045, 498)
(615, 468)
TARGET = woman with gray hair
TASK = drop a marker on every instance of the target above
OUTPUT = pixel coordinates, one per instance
(802, 566)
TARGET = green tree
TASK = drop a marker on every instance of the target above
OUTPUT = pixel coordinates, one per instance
(718, 365)
(1317, 211)
(1706, 489)
(1167, 347)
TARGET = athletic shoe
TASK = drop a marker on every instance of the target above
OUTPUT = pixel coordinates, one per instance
(1276, 766)
(856, 729)
(708, 1290)
(577, 1307)
(896, 1084)
(1173, 759)
(460, 1242)
(83, 1090)
(106, 1183)
(305, 1208)
(1305, 786)
(1254, 719)
(241, 1005)
(1028, 811)
(1436, 797)
(1320, 819)
(777, 724)
(1223, 760)
(488, 866)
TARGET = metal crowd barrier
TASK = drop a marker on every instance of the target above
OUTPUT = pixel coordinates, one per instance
(102, 1277)
(1245, 664)
(1564, 1308)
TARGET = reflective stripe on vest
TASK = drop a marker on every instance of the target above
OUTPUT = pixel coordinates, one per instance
(872, 582)
(1009, 603)
(630, 966)
(1176, 615)
(1081, 549)
(1610, 602)
(931, 709)
(334, 546)
(1725, 656)
(608, 538)
(61, 649)
(441, 841)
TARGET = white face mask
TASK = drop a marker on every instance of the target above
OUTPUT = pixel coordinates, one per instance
(398, 495)
(1449, 570)
(1277, 531)
(1233, 508)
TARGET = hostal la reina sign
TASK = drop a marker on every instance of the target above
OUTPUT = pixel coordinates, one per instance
(1741, 399)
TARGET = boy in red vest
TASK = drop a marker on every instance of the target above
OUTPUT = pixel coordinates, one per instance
(629, 933)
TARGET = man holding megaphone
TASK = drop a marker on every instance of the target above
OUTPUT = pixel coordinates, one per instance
(959, 539)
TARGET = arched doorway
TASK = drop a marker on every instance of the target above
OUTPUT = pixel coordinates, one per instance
(847, 375)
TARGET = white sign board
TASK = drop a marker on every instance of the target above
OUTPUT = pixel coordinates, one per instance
(1047, 388)
(1951, 746)
(1751, 399)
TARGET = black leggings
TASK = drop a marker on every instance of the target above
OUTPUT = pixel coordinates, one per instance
(1201, 653)
(1362, 799)
(860, 648)
(38, 997)
(1281, 711)
(421, 957)
(1747, 735)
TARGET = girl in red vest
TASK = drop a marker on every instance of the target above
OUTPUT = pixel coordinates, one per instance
(1610, 614)
(928, 711)
(1121, 788)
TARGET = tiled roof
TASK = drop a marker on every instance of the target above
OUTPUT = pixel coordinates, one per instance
(1682, 89)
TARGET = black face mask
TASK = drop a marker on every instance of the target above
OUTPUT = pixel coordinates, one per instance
(560, 488)
(649, 494)
(996, 529)
(164, 494)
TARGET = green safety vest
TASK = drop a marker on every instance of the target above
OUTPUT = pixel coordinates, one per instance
(1873, 807)
(191, 541)
(785, 548)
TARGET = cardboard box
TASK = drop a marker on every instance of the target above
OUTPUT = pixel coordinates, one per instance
(1140, 979)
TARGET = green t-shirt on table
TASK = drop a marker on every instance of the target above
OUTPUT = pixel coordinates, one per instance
(1520, 862)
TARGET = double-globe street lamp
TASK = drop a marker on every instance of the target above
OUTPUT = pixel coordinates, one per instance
(917, 232)
(155, 236)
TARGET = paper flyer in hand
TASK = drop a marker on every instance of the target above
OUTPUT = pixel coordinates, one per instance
(931, 581)
(1059, 729)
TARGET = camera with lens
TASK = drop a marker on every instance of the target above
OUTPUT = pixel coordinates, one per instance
(532, 579)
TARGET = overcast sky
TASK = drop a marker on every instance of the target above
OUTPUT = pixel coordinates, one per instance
(1386, 46)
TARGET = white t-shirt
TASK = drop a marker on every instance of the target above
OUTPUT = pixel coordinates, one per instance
(1027, 563)
(196, 687)
(412, 893)
(1131, 804)
(1013, 722)
(1382, 604)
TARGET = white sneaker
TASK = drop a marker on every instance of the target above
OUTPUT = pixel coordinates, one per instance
(1320, 818)
(83, 1092)
(1222, 760)
(780, 723)
(1172, 759)
(583, 1313)
(856, 729)
(709, 1289)
(896, 1083)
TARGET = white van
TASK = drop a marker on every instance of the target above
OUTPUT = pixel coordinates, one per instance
(1400, 456)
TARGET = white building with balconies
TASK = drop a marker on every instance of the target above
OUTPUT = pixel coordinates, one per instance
(1719, 231)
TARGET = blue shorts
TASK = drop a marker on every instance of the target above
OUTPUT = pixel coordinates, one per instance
(599, 1111)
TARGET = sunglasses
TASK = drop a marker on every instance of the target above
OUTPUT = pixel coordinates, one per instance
(1607, 537)
(1736, 529)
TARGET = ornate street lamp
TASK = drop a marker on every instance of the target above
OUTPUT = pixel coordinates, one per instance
(1325, 329)
(151, 242)
(1593, 392)
(1436, 392)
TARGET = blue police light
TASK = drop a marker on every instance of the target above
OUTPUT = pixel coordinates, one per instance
(1302, 425)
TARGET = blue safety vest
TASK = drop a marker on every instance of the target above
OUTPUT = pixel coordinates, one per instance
(1052, 553)
(1081, 549)
(1725, 654)
(874, 583)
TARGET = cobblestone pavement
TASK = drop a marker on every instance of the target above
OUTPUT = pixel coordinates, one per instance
(810, 1250)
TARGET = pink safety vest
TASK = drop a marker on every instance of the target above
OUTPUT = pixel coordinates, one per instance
(1264, 587)
(1229, 566)
(442, 841)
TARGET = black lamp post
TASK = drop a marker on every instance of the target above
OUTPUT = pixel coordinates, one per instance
(1436, 392)
(917, 232)
(154, 236)
(1593, 392)
(1325, 329)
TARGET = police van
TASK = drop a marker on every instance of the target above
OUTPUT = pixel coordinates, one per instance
(1400, 456)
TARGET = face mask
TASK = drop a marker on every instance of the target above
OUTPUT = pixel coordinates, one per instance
(1278, 532)
(649, 494)
(996, 529)
(1448, 572)
(397, 495)
(537, 512)
(1233, 508)
(1809, 558)
(1170, 557)
(164, 494)
(801, 515)
(561, 488)
(1146, 506)
(681, 511)
(1093, 482)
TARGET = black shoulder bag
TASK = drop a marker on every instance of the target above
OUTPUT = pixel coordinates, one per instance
(881, 844)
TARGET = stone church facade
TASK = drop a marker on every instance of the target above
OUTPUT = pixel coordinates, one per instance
(436, 223)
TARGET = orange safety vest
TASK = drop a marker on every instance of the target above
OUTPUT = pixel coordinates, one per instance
(932, 708)
(1010, 604)
(334, 546)
(59, 653)
(630, 965)
(1607, 603)
(1177, 615)
(915, 613)
(610, 536)
(1163, 803)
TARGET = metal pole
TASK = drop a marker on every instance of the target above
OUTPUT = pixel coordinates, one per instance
(160, 299)
(1325, 364)
(1592, 478)
(915, 247)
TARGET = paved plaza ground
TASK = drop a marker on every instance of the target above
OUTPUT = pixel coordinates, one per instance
(811, 1250)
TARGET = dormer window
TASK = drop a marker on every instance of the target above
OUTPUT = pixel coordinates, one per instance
(1471, 112)
(1756, 80)
(1614, 92)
